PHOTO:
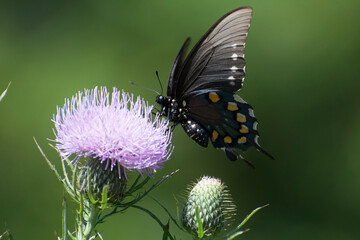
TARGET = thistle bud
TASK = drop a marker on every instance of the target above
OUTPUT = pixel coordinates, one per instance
(101, 176)
(210, 197)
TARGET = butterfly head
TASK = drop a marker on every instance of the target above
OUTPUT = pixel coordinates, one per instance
(160, 99)
(164, 103)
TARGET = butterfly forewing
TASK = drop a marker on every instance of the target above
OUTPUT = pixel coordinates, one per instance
(217, 60)
(175, 70)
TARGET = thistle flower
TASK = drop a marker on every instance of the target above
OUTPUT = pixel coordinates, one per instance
(213, 202)
(113, 129)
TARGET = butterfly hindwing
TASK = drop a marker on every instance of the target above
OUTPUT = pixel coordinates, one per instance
(231, 124)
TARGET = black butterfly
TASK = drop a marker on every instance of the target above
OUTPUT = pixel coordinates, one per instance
(200, 93)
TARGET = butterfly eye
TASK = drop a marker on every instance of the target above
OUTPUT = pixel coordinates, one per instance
(160, 99)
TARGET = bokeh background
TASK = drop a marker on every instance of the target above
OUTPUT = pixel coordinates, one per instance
(302, 80)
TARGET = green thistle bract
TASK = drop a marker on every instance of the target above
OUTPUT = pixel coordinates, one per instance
(101, 176)
(214, 204)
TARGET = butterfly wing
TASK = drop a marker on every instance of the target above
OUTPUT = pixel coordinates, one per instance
(175, 70)
(204, 84)
(217, 60)
(229, 121)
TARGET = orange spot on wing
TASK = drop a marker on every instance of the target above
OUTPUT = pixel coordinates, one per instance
(232, 106)
(242, 140)
(227, 139)
(244, 129)
(214, 136)
(214, 97)
(240, 118)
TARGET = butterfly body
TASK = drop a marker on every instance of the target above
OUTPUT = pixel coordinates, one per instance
(201, 88)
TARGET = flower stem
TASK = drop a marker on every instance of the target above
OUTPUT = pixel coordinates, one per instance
(65, 226)
(92, 221)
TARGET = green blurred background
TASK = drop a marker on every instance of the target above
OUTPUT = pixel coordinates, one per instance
(302, 80)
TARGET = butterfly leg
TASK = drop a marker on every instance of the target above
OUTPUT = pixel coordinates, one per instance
(173, 127)
(155, 111)
(196, 132)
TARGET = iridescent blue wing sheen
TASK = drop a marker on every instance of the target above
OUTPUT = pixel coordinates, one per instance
(229, 121)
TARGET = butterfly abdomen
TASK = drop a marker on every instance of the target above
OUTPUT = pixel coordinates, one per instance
(196, 132)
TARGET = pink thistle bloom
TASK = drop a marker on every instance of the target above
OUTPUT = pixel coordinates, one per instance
(113, 128)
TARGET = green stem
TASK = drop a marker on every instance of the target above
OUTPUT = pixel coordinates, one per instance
(64, 230)
(91, 222)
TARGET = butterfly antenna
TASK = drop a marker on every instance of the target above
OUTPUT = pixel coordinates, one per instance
(152, 90)
(157, 75)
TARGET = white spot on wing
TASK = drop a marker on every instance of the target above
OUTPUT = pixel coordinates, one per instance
(238, 98)
(237, 45)
(232, 83)
(251, 112)
(256, 139)
(255, 125)
(234, 56)
(231, 78)
(234, 68)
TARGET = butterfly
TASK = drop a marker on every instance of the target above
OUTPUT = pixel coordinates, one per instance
(201, 88)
